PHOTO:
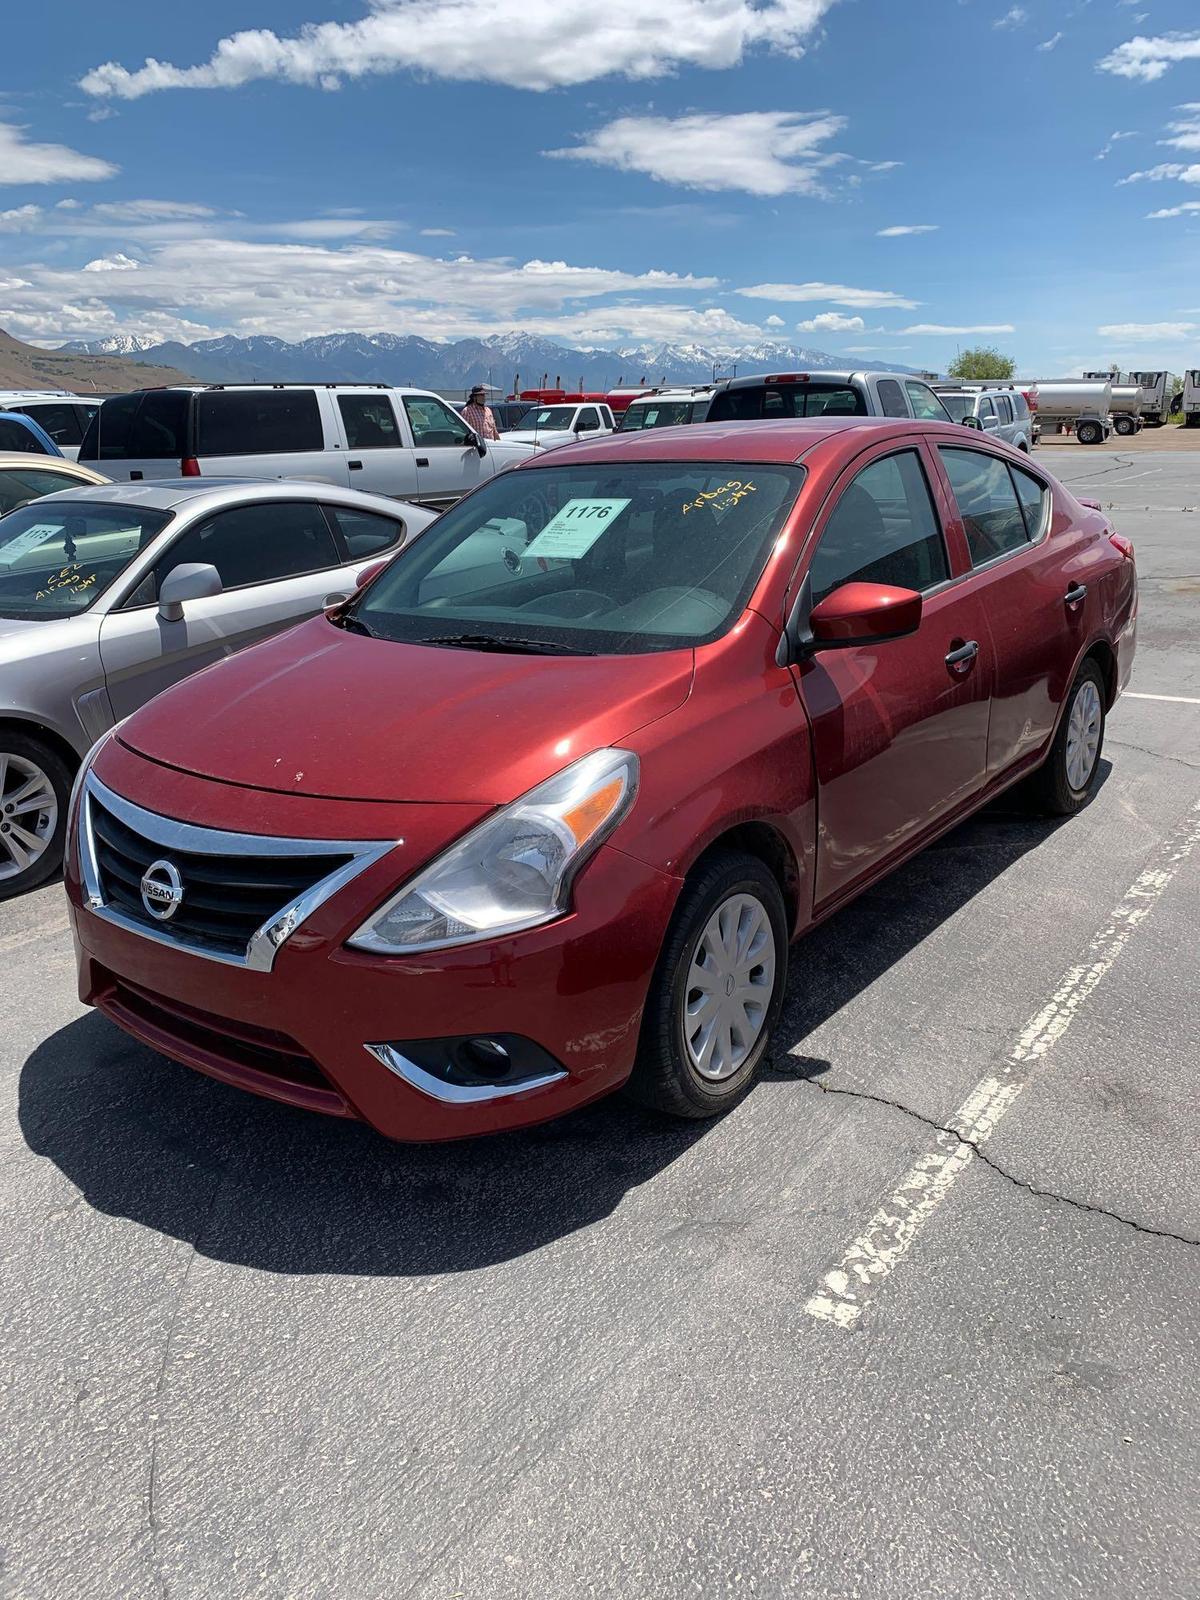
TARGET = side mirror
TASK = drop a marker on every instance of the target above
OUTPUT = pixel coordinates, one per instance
(480, 445)
(367, 573)
(864, 613)
(194, 580)
(991, 423)
(973, 422)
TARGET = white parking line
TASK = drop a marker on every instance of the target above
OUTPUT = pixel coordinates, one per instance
(845, 1290)
(1175, 699)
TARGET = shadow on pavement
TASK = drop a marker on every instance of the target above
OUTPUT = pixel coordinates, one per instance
(258, 1184)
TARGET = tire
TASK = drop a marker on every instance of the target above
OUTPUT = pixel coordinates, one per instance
(1089, 433)
(30, 769)
(1193, 420)
(1124, 426)
(1061, 787)
(666, 1076)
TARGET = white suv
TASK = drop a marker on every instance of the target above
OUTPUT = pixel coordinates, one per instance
(407, 443)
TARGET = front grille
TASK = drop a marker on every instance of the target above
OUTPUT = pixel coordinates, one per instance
(226, 899)
(239, 897)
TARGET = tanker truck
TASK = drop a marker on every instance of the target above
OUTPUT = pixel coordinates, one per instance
(1066, 405)
(1127, 408)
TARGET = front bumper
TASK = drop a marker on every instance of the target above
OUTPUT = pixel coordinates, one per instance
(302, 1031)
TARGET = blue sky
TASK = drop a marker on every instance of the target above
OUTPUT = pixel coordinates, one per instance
(711, 171)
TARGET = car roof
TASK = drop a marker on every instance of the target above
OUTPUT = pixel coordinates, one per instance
(782, 442)
(168, 494)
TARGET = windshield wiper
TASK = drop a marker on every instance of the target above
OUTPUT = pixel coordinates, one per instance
(506, 644)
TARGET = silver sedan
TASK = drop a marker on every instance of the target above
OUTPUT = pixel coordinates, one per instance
(110, 593)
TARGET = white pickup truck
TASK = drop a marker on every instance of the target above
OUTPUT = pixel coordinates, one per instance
(552, 425)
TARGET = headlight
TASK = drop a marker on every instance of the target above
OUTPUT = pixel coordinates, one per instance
(513, 871)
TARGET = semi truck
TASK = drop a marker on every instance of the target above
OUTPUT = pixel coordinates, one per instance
(1158, 391)
(1187, 399)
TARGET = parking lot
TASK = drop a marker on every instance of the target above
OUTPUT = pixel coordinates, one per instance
(823, 1346)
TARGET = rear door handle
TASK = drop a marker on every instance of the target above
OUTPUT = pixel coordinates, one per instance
(1076, 593)
(422, 461)
(961, 659)
(354, 466)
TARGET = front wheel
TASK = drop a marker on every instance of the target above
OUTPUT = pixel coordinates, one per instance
(716, 991)
(35, 788)
(1066, 780)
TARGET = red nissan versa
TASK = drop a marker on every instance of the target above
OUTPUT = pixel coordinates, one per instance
(536, 813)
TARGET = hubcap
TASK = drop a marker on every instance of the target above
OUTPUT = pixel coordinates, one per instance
(729, 987)
(28, 814)
(1083, 735)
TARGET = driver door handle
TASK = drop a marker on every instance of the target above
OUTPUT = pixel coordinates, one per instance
(1075, 594)
(962, 659)
(422, 461)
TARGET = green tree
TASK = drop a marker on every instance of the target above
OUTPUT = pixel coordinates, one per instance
(983, 361)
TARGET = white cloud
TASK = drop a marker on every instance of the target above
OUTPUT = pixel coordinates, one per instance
(1012, 19)
(116, 263)
(1148, 332)
(527, 45)
(831, 322)
(1166, 170)
(932, 328)
(1149, 59)
(757, 152)
(1185, 132)
(67, 205)
(774, 322)
(149, 210)
(437, 233)
(251, 285)
(1114, 138)
(23, 162)
(838, 294)
(903, 228)
(1183, 210)
(20, 219)
(1051, 43)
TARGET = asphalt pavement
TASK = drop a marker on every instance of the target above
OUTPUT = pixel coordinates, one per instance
(248, 1352)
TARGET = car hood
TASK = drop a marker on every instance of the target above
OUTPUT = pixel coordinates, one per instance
(321, 712)
(513, 449)
(539, 436)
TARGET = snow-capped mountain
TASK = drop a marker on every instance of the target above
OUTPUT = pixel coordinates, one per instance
(114, 344)
(499, 359)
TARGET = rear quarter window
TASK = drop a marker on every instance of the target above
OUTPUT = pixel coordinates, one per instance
(258, 422)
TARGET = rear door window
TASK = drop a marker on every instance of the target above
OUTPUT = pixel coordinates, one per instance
(1035, 502)
(1004, 407)
(365, 532)
(884, 529)
(60, 422)
(15, 435)
(160, 426)
(248, 422)
(257, 544)
(370, 422)
(987, 501)
(925, 404)
(787, 400)
(891, 398)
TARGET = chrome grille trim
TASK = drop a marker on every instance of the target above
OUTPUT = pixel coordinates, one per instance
(167, 834)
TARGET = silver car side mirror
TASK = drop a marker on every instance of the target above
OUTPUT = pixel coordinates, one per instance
(193, 580)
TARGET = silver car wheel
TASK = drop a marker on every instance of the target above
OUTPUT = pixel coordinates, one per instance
(1083, 735)
(28, 814)
(729, 986)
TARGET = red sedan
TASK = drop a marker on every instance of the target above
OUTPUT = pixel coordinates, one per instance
(538, 811)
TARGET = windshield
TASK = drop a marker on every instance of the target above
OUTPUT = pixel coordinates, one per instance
(547, 417)
(959, 405)
(613, 559)
(665, 414)
(56, 556)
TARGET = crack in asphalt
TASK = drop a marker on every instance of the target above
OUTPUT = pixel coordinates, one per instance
(988, 1161)
(1156, 755)
(160, 1384)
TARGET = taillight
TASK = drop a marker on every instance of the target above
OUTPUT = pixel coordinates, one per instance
(189, 467)
(1124, 545)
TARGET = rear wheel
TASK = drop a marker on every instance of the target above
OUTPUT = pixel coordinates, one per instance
(35, 788)
(716, 992)
(1089, 433)
(1065, 781)
(1124, 426)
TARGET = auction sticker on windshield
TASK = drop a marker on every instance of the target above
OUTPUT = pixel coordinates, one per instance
(29, 540)
(573, 531)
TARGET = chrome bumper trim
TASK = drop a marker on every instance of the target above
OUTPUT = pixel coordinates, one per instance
(457, 1094)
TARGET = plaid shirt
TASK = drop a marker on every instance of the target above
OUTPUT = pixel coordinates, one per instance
(482, 420)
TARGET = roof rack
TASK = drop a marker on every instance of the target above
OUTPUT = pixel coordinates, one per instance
(295, 383)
